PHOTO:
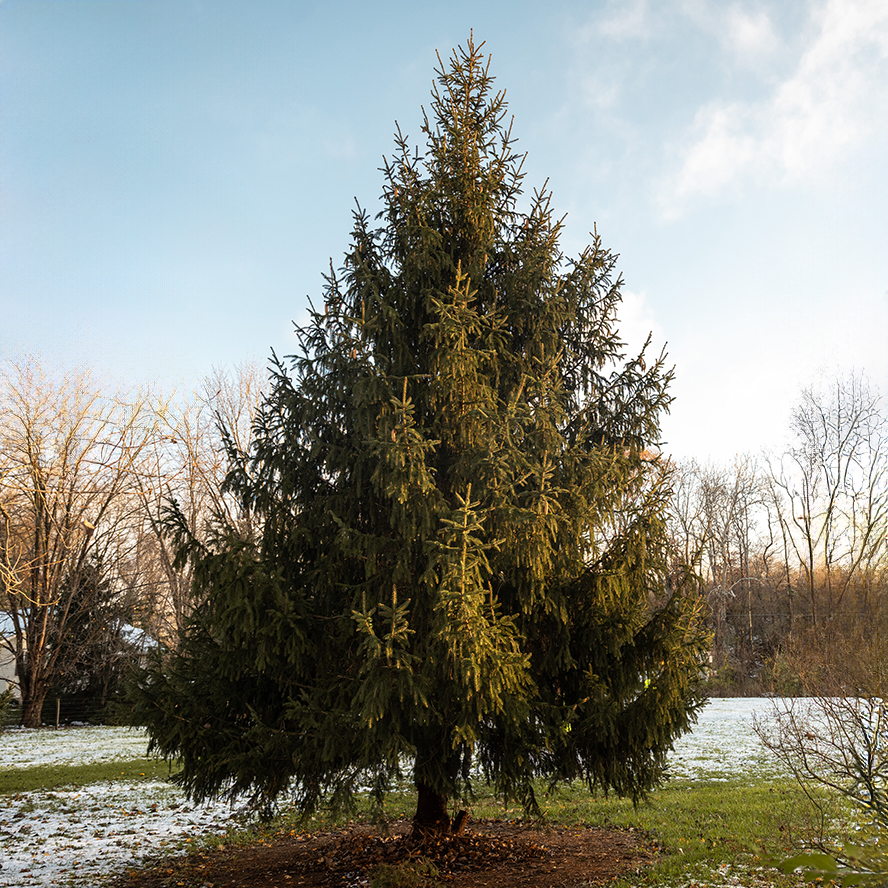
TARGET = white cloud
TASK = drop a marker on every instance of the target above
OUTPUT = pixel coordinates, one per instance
(628, 20)
(749, 35)
(829, 103)
(746, 35)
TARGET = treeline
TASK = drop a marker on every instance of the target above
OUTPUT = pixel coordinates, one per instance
(790, 548)
(88, 573)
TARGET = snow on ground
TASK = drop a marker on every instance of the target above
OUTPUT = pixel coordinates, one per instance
(723, 744)
(74, 836)
(27, 747)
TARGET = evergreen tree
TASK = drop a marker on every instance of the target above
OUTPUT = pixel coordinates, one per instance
(462, 562)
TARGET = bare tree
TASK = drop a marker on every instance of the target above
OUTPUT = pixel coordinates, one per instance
(66, 513)
(187, 464)
(716, 516)
(792, 554)
(829, 492)
(834, 739)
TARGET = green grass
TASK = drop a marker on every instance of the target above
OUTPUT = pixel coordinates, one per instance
(48, 777)
(707, 833)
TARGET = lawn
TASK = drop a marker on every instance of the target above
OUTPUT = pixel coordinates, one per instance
(78, 805)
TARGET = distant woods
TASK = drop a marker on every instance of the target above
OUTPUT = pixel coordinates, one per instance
(790, 547)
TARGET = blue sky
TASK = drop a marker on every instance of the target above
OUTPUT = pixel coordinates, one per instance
(175, 176)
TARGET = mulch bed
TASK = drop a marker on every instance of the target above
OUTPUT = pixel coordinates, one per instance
(489, 854)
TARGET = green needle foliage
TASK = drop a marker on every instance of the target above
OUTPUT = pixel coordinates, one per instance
(462, 566)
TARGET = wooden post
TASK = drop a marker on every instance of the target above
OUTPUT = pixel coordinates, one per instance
(58, 709)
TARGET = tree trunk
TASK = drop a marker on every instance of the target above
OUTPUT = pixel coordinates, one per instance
(431, 812)
(32, 690)
(32, 708)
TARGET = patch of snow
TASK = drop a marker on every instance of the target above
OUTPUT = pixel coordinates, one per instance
(723, 744)
(74, 837)
(78, 836)
(29, 747)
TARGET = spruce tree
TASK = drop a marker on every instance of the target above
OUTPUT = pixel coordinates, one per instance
(462, 567)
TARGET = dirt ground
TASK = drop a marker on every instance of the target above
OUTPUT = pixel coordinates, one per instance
(489, 854)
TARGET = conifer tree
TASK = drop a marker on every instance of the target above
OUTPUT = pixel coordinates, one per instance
(462, 566)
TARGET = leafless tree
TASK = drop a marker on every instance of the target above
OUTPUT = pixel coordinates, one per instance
(717, 515)
(835, 736)
(792, 550)
(66, 512)
(829, 493)
(187, 464)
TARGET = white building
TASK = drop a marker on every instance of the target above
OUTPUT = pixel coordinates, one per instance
(7, 653)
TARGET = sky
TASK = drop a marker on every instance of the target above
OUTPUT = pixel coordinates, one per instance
(177, 175)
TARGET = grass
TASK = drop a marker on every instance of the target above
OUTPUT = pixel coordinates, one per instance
(725, 833)
(49, 777)
(702, 830)
(707, 833)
